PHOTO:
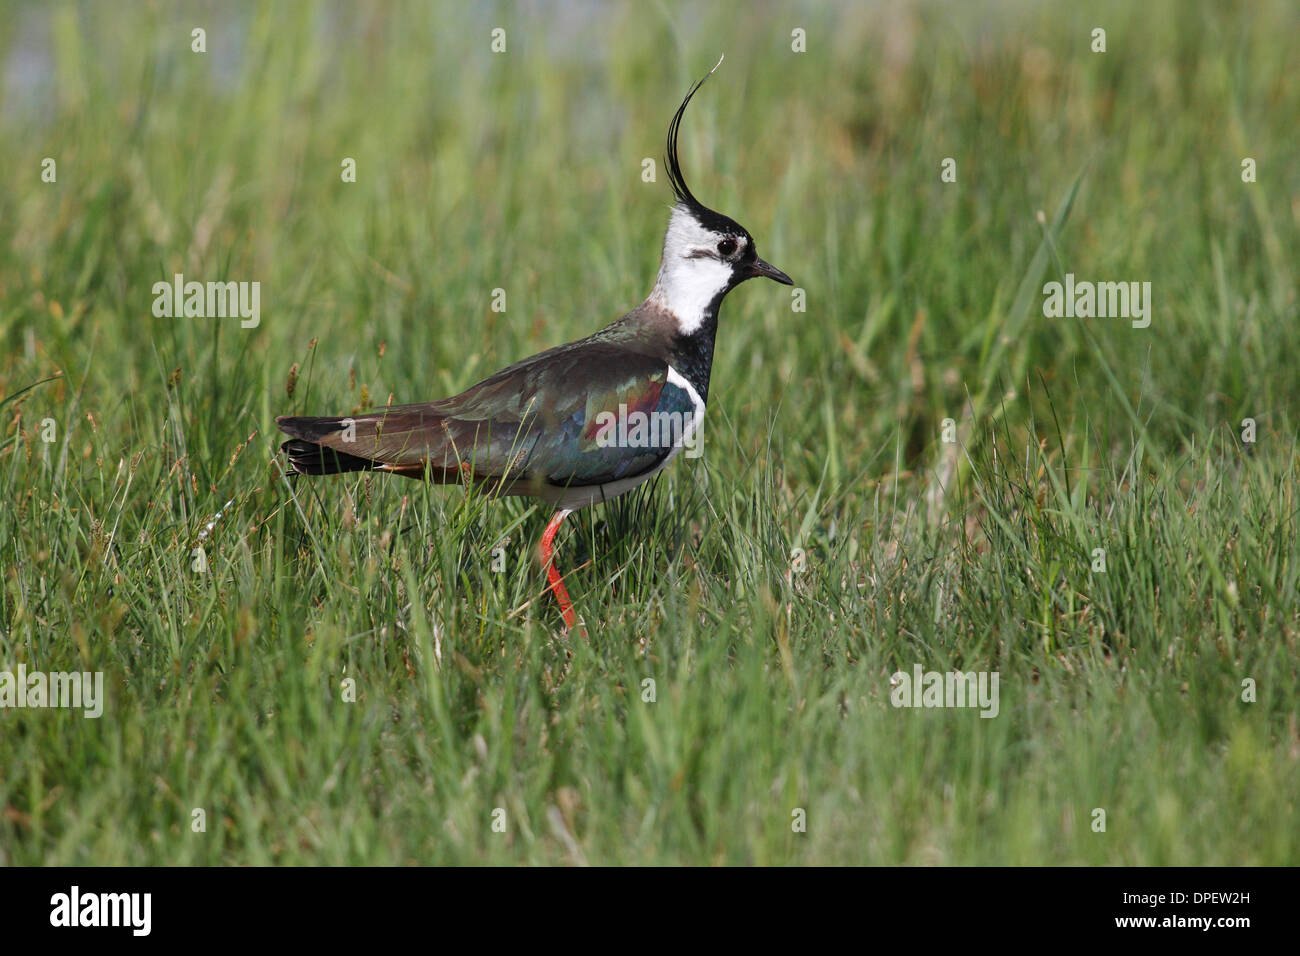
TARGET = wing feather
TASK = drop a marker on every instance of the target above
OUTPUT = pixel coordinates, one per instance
(547, 420)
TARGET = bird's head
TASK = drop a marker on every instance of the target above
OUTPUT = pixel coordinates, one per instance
(706, 254)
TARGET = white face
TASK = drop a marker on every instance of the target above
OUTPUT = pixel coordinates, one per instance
(694, 271)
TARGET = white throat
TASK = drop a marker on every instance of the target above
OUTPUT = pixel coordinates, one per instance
(689, 279)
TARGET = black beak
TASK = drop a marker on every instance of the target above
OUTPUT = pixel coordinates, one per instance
(760, 268)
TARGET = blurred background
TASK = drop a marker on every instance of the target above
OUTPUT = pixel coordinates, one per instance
(522, 170)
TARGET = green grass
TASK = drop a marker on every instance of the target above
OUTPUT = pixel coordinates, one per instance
(1119, 690)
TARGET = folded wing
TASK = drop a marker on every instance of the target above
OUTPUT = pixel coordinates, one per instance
(566, 417)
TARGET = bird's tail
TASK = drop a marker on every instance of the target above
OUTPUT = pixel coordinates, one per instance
(308, 457)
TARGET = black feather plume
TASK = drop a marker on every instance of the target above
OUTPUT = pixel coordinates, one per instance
(680, 189)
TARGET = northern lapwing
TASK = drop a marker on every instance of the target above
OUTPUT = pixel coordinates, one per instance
(569, 425)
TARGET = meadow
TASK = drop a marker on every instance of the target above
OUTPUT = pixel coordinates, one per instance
(906, 462)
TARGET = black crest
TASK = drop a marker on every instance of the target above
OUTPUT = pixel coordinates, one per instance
(706, 216)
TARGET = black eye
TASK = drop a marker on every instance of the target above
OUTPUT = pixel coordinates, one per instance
(726, 247)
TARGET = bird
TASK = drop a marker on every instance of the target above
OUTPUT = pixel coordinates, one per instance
(555, 426)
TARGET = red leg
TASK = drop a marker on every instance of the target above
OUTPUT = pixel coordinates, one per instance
(553, 576)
